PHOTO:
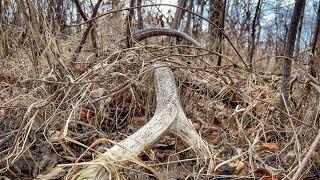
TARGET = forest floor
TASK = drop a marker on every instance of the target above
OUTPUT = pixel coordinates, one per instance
(51, 117)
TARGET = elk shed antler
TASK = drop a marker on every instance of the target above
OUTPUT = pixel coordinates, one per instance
(169, 118)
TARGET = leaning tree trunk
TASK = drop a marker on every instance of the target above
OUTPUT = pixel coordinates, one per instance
(289, 48)
(85, 18)
(90, 28)
(169, 117)
(253, 34)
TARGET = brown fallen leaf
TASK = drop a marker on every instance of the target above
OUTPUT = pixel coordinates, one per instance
(239, 167)
(218, 123)
(226, 171)
(79, 70)
(269, 147)
(265, 174)
(87, 115)
(120, 96)
(54, 136)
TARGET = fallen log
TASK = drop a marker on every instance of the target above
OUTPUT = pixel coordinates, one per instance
(169, 118)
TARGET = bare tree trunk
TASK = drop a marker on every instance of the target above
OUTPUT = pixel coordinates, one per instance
(187, 27)
(79, 9)
(85, 18)
(3, 25)
(197, 22)
(93, 35)
(78, 28)
(40, 17)
(289, 48)
(128, 24)
(222, 37)
(115, 6)
(86, 33)
(253, 34)
(203, 4)
(216, 16)
(297, 48)
(31, 28)
(80, 13)
(247, 25)
(61, 17)
(315, 61)
(50, 17)
(139, 14)
(258, 33)
(4, 37)
(1, 11)
(179, 14)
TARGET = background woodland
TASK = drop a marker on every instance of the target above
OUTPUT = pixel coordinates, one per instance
(133, 89)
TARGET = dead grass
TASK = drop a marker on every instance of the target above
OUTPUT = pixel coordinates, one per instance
(46, 124)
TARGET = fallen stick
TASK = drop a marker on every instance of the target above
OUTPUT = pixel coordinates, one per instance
(169, 118)
(313, 146)
(307, 157)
